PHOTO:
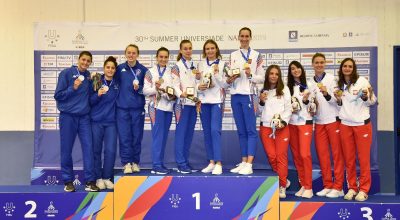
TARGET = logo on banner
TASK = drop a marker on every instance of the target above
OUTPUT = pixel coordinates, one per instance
(175, 200)
(76, 181)
(344, 214)
(52, 38)
(9, 209)
(388, 216)
(51, 180)
(216, 203)
(80, 40)
(51, 210)
(293, 36)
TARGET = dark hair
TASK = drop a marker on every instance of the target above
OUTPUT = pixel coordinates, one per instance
(112, 60)
(245, 29)
(132, 45)
(354, 75)
(317, 55)
(87, 53)
(210, 41)
(303, 79)
(279, 86)
(162, 49)
(180, 47)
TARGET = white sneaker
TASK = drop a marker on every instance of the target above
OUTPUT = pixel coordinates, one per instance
(128, 168)
(350, 194)
(287, 183)
(100, 184)
(361, 196)
(217, 170)
(247, 169)
(208, 169)
(308, 193)
(135, 168)
(323, 192)
(300, 192)
(282, 192)
(238, 167)
(334, 193)
(108, 184)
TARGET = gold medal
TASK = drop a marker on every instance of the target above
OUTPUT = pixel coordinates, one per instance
(246, 65)
(339, 92)
(161, 80)
(319, 85)
(249, 61)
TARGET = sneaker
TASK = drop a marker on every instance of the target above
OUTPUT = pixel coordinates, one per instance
(323, 192)
(300, 192)
(308, 193)
(69, 187)
(247, 169)
(217, 170)
(135, 168)
(208, 169)
(100, 184)
(334, 193)
(350, 194)
(238, 167)
(184, 170)
(282, 192)
(159, 170)
(128, 168)
(108, 184)
(287, 183)
(361, 196)
(91, 187)
(193, 170)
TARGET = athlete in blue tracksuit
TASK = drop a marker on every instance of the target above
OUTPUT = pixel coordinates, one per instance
(130, 109)
(103, 100)
(72, 96)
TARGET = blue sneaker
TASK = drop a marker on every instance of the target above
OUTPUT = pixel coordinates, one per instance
(191, 168)
(184, 170)
(160, 170)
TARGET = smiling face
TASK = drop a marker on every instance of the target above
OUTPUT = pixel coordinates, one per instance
(109, 70)
(162, 58)
(319, 65)
(211, 51)
(273, 76)
(84, 62)
(186, 50)
(244, 38)
(131, 54)
(295, 71)
(348, 68)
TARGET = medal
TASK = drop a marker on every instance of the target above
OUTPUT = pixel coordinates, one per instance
(105, 88)
(249, 61)
(319, 85)
(135, 82)
(215, 66)
(81, 78)
(246, 65)
(339, 92)
(161, 80)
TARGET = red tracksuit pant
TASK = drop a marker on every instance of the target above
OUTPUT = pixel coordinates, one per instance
(300, 144)
(357, 138)
(277, 150)
(325, 135)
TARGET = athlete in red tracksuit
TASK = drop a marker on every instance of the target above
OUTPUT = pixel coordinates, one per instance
(301, 127)
(274, 132)
(355, 96)
(327, 130)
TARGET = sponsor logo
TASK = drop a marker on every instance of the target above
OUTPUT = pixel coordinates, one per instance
(52, 38)
(76, 181)
(388, 216)
(344, 214)
(51, 210)
(175, 200)
(293, 36)
(9, 209)
(80, 40)
(365, 135)
(216, 203)
(51, 181)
